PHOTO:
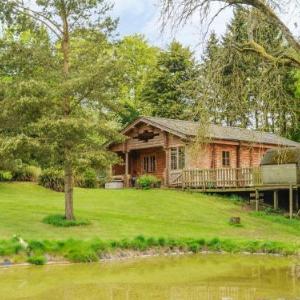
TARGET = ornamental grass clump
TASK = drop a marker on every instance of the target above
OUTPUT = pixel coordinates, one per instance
(26, 173)
(52, 179)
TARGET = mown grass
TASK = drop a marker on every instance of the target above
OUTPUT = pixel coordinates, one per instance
(125, 214)
(133, 220)
(93, 250)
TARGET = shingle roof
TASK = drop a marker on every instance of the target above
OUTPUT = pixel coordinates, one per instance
(190, 129)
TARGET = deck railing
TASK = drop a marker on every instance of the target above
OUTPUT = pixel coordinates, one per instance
(219, 178)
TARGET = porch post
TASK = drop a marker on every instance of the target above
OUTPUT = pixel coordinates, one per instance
(126, 168)
(167, 151)
(167, 166)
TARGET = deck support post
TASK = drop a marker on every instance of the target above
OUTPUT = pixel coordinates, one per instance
(291, 201)
(275, 199)
(296, 201)
(256, 200)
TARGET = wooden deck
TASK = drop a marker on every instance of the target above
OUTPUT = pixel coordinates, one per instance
(225, 180)
(219, 178)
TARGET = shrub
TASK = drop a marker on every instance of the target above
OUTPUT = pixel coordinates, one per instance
(88, 179)
(147, 181)
(52, 179)
(10, 247)
(5, 176)
(214, 244)
(139, 243)
(162, 242)
(60, 221)
(37, 260)
(82, 255)
(27, 173)
(194, 247)
(36, 246)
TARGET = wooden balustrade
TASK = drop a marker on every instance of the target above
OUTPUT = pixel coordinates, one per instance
(219, 178)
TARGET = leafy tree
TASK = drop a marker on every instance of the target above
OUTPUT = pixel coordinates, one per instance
(138, 60)
(58, 85)
(170, 88)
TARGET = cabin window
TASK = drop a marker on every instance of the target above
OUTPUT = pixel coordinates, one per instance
(177, 158)
(149, 164)
(226, 158)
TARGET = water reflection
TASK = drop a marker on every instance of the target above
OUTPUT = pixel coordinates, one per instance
(211, 277)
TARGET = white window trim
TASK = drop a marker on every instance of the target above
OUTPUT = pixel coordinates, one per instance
(177, 157)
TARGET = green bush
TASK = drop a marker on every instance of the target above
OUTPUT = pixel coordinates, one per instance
(88, 179)
(10, 247)
(52, 179)
(147, 181)
(82, 256)
(36, 246)
(5, 176)
(27, 173)
(60, 221)
(37, 260)
(194, 247)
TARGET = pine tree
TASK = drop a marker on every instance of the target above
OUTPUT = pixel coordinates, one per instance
(170, 88)
(242, 89)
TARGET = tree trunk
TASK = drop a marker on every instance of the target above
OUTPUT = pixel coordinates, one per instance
(69, 213)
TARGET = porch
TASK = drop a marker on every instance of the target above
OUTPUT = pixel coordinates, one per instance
(135, 163)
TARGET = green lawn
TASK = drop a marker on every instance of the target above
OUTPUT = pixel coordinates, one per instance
(128, 213)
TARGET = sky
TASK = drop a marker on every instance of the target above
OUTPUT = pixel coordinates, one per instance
(142, 16)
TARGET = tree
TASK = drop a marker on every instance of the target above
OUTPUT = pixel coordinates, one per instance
(183, 10)
(242, 89)
(170, 88)
(138, 60)
(58, 85)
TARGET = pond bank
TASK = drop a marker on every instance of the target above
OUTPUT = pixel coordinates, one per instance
(16, 250)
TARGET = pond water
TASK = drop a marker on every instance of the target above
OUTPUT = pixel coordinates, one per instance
(201, 277)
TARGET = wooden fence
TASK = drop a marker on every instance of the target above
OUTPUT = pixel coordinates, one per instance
(219, 178)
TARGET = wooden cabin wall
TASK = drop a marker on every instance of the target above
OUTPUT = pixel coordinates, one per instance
(211, 156)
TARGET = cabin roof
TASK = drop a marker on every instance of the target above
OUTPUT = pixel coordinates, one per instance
(187, 129)
(282, 156)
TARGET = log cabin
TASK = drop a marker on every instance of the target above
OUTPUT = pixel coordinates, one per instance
(164, 147)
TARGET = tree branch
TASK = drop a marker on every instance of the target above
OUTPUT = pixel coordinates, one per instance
(36, 13)
(253, 47)
(182, 10)
(35, 17)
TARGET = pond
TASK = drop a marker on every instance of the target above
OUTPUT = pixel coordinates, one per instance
(188, 277)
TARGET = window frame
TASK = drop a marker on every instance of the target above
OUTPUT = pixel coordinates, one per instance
(226, 159)
(151, 165)
(177, 158)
